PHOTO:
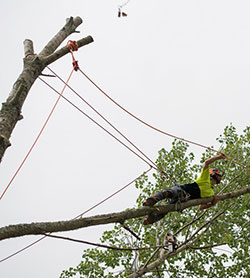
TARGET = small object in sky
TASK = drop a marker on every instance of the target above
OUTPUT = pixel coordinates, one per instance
(120, 13)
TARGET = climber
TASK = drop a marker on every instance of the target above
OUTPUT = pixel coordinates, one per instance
(201, 188)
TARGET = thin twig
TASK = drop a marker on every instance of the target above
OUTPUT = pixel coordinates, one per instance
(129, 230)
(206, 247)
(102, 245)
(204, 225)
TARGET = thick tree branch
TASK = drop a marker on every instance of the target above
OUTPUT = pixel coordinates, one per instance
(68, 28)
(63, 51)
(49, 227)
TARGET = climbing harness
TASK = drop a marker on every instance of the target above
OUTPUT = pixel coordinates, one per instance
(179, 196)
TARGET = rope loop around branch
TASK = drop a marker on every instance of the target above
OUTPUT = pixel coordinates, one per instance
(72, 45)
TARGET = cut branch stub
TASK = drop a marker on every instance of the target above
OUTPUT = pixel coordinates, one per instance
(69, 28)
(28, 48)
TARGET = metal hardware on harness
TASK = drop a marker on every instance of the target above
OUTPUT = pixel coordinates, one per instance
(179, 196)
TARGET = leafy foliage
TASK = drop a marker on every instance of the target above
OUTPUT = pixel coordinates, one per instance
(214, 243)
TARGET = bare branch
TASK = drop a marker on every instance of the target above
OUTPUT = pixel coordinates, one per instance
(68, 28)
(63, 51)
(49, 227)
(28, 48)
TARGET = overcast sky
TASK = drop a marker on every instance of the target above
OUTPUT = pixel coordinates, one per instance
(182, 66)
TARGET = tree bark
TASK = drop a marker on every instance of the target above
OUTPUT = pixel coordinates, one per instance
(33, 65)
(19, 230)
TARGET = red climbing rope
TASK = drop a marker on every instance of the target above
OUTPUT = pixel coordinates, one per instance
(152, 127)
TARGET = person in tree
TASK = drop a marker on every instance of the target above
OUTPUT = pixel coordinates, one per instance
(201, 188)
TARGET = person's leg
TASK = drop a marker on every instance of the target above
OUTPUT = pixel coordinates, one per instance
(156, 198)
(156, 216)
(152, 218)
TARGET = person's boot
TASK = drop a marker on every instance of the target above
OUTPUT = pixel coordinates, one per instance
(156, 198)
(152, 218)
(150, 202)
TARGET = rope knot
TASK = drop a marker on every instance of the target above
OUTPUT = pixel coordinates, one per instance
(75, 65)
(72, 46)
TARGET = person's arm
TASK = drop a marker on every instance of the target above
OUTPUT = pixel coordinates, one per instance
(206, 165)
(213, 159)
(206, 206)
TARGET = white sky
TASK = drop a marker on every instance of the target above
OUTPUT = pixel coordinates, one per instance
(182, 66)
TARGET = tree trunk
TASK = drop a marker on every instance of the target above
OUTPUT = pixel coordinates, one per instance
(33, 65)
